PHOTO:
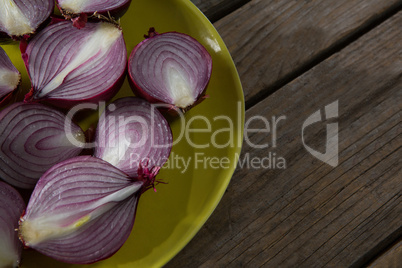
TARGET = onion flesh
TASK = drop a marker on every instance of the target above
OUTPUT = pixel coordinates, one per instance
(171, 68)
(32, 139)
(133, 136)
(9, 77)
(11, 208)
(71, 8)
(22, 17)
(81, 211)
(68, 66)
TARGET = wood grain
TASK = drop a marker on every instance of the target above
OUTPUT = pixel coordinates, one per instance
(272, 42)
(217, 9)
(311, 214)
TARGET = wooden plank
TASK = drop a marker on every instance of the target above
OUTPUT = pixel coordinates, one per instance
(272, 42)
(217, 9)
(311, 214)
(391, 258)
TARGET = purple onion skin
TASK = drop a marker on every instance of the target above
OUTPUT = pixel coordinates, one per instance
(115, 12)
(11, 208)
(94, 205)
(147, 94)
(112, 131)
(36, 12)
(118, 12)
(6, 66)
(32, 139)
(110, 75)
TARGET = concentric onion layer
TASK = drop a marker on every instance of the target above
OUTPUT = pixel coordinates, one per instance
(92, 6)
(11, 207)
(172, 68)
(32, 139)
(21, 17)
(68, 66)
(81, 211)
(9, 76)
(132, 132)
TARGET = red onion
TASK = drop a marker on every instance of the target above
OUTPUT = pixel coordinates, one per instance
(9, 77)
(72, 8)
(32, 139)
(22, 17)
(81, 211)
(11, 207)
(68, 66)
(133, 136)
(171, 68)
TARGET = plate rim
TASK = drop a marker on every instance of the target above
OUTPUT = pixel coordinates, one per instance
(193, 8)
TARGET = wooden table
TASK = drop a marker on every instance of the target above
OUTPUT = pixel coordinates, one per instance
(296, 58)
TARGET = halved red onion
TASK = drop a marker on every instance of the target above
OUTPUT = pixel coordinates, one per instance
(81, 211)
(32, 139)
(9, 77)
(11, 208)
(22, 17)
(171, 68)
(72, 8)
(68, 66)
(133, 136)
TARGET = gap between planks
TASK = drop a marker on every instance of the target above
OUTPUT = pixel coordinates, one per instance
(390, 257)
(217, 9)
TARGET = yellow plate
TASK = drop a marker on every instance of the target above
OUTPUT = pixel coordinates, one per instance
(168, 219)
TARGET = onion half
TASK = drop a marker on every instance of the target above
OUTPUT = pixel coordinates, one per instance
(11, 208)
(32, 139)
(81, 211)
(171, 68)
(68, 66)
(10, 77)
(72, 8)
(133, 136)
(22, 17)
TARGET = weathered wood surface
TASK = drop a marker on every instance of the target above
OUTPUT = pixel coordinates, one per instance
(272, 42)
(311, 214)
(392, 258)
